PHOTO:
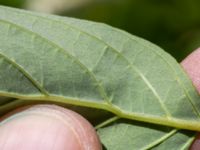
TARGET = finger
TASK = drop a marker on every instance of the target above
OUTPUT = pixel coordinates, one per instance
(45, 127)
(191, 65)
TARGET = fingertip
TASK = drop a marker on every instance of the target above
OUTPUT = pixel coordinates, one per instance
(48, 127)
(191, 65)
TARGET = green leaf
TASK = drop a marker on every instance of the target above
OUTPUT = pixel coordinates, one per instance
(136, 135)
(70, 61)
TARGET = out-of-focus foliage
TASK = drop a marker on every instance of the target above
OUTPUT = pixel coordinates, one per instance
(54, 6)
(172, 24)
(13, 3)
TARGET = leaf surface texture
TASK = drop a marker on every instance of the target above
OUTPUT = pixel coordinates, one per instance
(88, 64)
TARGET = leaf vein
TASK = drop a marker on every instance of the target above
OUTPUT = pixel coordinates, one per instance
(129, 63)
(176, 78)
(26, 74)
(161, 139)
(100, 88)
(114, 50)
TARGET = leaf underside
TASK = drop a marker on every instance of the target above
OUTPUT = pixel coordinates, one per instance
(95, 66)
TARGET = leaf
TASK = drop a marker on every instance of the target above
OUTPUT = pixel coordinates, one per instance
(70, 61)
(136, 135)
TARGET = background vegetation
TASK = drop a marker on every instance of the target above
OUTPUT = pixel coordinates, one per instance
(172, 24)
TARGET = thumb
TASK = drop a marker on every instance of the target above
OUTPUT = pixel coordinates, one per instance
(45, 127)
(191, 65)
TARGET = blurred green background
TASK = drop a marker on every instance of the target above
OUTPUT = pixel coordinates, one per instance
(174, 25)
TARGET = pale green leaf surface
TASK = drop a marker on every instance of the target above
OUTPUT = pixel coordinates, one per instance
(180, 141)
(134, 78)
(136, 136)
(44, 57)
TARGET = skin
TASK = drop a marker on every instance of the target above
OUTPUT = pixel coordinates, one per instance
(47, 127)
(191, 65)
(55, 128)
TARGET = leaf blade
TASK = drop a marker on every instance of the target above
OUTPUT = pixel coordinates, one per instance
(110, 57)
(122, 134)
